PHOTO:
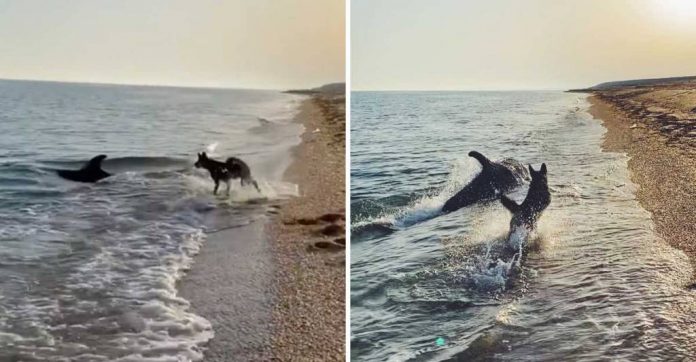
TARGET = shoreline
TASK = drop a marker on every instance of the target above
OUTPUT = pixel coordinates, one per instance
(309, 314)
(275, 288)
(231, 281)
(228, 285)
(661, 163)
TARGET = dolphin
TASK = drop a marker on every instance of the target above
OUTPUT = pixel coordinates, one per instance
(90, 172)
(495, 178)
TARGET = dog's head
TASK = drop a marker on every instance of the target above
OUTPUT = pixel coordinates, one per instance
(202, 157)
(538, 176)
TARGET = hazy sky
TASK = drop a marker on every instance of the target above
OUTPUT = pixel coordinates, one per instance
(228, 43)
(511, 44)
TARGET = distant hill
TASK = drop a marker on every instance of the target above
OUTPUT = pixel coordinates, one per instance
(636, 83)
(331, 88)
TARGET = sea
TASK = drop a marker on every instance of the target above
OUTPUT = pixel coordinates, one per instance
(90, 272)
(593, 283)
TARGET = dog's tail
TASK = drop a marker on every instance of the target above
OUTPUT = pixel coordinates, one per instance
(509, 204)
(249, 180)
(256, 185)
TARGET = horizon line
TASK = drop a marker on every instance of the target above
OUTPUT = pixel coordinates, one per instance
(648, 78)
(98, 83)
(463, 90)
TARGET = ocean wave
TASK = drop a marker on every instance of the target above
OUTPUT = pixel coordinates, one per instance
(119, 260)
(90, 271)
(125, 164)
(119, 285)
(385, 214)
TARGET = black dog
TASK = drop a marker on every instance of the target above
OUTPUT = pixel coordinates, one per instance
(538, 198)
(90, 172)
(225, 171)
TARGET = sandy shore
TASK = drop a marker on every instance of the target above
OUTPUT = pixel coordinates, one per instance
(275, 289)
(309, 241)
(230, 286)
(656, 127)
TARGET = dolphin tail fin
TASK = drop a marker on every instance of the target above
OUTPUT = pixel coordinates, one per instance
(480, 158)
(509, 204)
(249, 180)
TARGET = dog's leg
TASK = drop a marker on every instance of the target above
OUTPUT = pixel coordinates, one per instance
(228, 187)
(217, 184)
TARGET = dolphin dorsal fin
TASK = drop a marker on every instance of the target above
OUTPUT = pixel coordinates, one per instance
(94, 163)
(485, 162)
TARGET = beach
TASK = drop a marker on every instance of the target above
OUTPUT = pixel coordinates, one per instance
(656, 127)
(148, 263)
(229, 286)
(274, 288)
(308, 240)
(596, 282)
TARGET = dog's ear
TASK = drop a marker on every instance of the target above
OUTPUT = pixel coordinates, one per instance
(543, 169)
(531, 170)
(203, 155)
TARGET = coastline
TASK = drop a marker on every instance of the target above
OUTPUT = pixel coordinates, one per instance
(275, 288)
(309, 313)
(231, 281)
(662, 156)
(228, 285)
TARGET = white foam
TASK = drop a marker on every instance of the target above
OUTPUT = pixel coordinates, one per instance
(494, 278)
(120, 247)
(429, 206)
(211, 148)
(163, 325)
(281, 111)
(9, 338)
(490, 264)
(518, 237)
(200, 184)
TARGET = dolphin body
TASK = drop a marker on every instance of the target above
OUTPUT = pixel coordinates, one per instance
(495, 178)
(90, 172)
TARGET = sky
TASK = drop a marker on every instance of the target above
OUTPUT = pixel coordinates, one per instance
(511, 44)
(268, 44)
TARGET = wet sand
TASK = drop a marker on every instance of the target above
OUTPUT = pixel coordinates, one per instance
(656, 127)
(275, 289)
(230, 285)
(309, 241)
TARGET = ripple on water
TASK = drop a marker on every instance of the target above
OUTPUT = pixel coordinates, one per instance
(593, 282)
(90, 271)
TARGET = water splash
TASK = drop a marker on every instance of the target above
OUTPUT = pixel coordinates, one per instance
(428, 205)
(211, 148)
(199, 183)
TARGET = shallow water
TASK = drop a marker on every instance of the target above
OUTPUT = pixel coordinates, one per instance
(90, 270)
(593, 283)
